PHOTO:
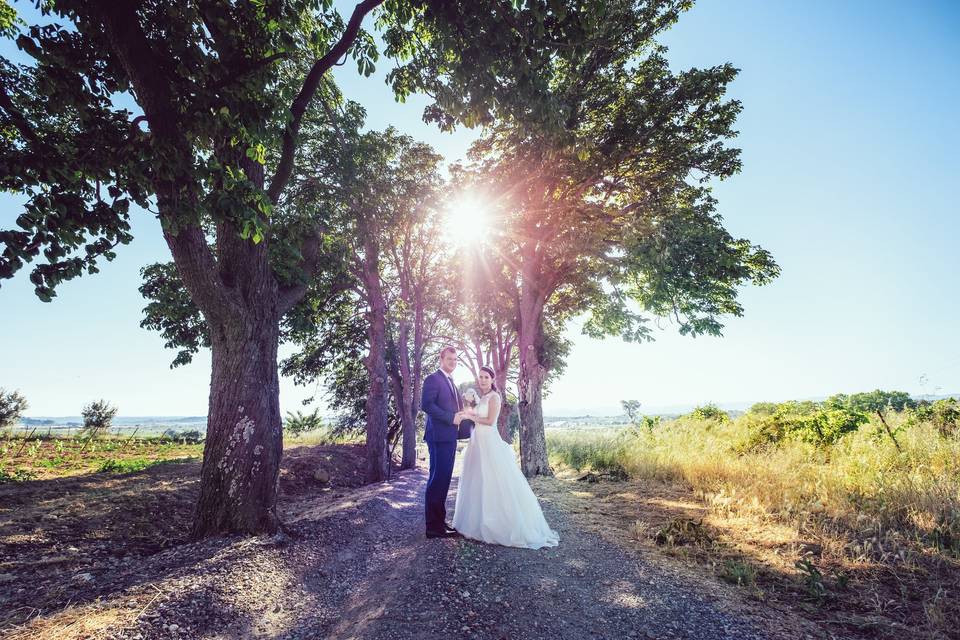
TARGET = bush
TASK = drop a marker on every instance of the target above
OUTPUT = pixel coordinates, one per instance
(827, 426)
(12, 405)
(97, 417)
(298, 423)
(794, 421)
(188, 437)
(943, 414)
(124, 466)
(710, 412)
(871, 401)
(763, 408)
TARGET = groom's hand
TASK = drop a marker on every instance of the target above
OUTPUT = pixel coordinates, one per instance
(458, 418)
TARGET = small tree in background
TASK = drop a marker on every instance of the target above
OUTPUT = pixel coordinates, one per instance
(12, 406)
(632, 409)
(97, 417)
(871, 401)
(710, 412)
(945, 415)
(299, 423)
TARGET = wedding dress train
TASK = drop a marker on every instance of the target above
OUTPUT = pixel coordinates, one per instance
(494, 501)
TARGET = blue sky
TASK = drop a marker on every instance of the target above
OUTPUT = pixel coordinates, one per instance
(849, 142)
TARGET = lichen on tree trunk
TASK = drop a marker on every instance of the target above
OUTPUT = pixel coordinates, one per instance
(241, 457)
(530, 339)
(533, 443)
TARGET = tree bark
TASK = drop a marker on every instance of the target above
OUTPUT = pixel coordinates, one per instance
(408, 416)
(533, 443)
(236, 291)
(241, 456)
(503, 420)
(378, 454)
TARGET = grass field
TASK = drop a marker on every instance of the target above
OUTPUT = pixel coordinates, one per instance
(28, 456)
(864, 519)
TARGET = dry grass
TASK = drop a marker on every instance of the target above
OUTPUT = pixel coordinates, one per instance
(858, 534)
(98, 620)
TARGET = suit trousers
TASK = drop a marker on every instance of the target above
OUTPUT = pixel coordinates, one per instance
(442, 455)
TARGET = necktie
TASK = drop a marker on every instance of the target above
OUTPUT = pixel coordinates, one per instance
(453, 389)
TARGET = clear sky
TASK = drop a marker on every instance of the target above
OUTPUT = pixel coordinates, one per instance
(849, 138)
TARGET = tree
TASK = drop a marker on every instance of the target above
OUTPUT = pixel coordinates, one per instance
(12, 406)
(416, 264)
(481, 323)
(98, 417)
(299, 423)
(375, 193)
(632, 409)
(871, 401)
(218, 85)
(600, 170)
(223, 90)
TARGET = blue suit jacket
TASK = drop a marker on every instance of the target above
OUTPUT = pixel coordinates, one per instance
(440, 405)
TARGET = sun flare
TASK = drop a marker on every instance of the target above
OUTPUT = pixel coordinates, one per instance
(467, 220)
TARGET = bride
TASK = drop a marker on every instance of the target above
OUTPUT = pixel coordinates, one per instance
(494, 502)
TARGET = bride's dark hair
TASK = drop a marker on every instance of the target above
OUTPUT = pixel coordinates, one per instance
(493, 376)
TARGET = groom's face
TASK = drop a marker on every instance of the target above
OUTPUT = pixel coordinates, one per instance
(448, 361)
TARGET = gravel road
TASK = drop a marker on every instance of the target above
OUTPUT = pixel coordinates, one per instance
(359, 566)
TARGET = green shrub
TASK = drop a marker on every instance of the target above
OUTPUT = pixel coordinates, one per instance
(186, 437)
(827, 426)
(710, 412)
(871, 401)
(12, 405)
(794, 421)
(739, 572)
(97, 417)
(763, 408)
(299, 423)
(943, 414)
(124, 466)
(798, 407)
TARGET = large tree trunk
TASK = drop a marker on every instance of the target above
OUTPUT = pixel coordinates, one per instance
(240, 300)
(408, 416)
(533, 443)
(241, 456)
(378, 454)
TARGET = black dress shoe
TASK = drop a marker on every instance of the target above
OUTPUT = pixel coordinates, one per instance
(443, 534)
(449, 528)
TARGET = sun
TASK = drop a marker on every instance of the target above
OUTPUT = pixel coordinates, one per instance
(467, 220)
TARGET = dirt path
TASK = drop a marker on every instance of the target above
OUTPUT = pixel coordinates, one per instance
(358, 566)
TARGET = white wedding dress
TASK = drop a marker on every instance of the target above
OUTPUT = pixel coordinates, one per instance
(494, 502)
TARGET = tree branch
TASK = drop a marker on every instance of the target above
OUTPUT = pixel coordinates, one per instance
(150, 78)
(290, 295)
(19, 121)
(307, 91)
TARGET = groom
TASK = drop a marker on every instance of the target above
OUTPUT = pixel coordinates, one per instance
(441, 402)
